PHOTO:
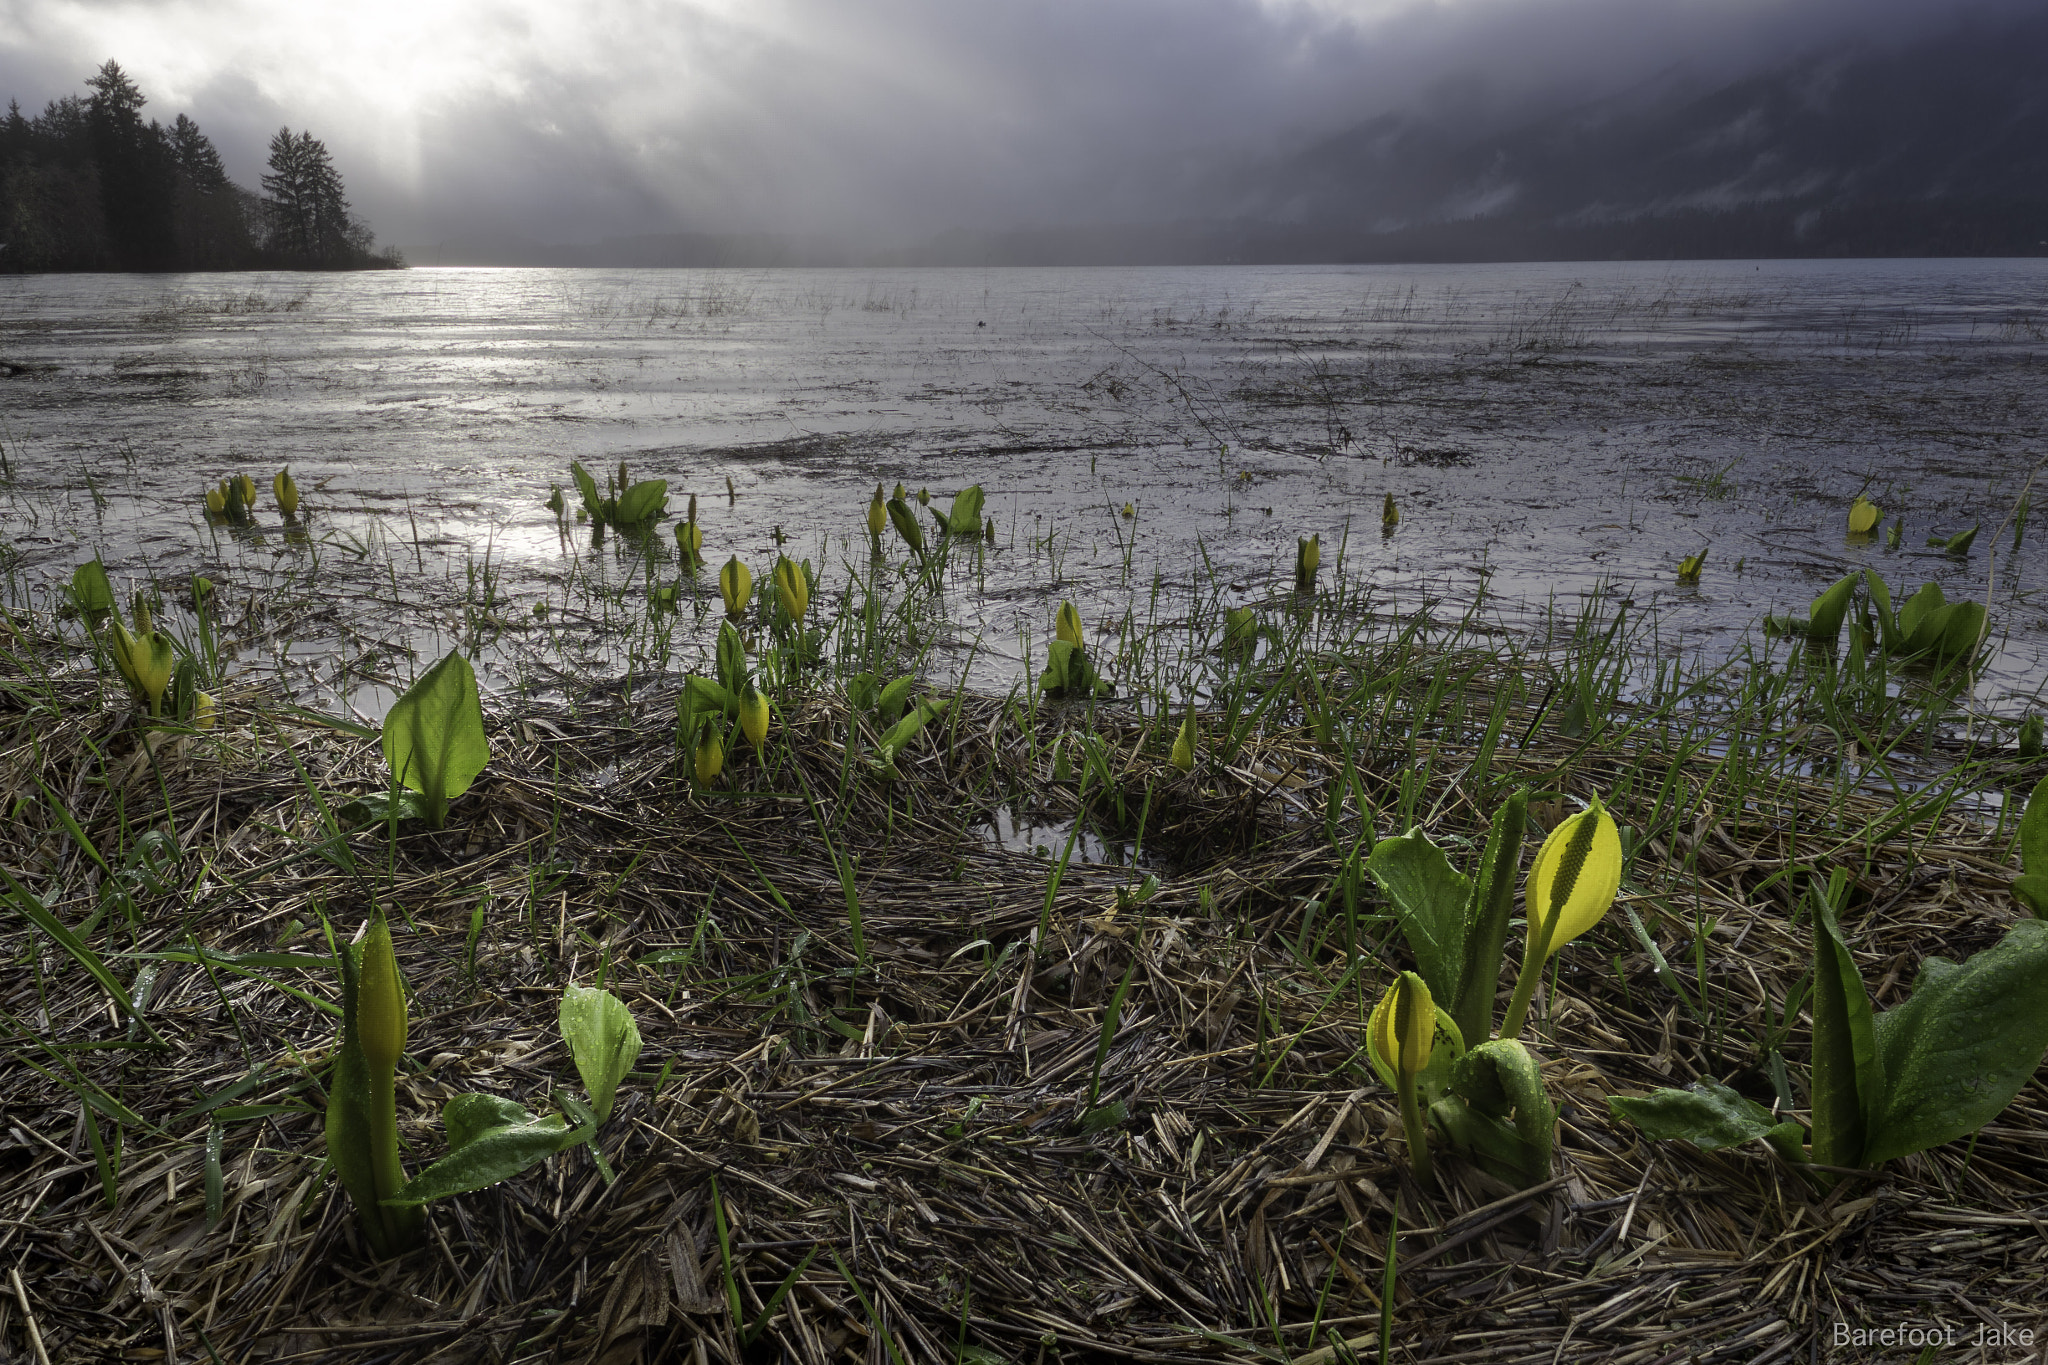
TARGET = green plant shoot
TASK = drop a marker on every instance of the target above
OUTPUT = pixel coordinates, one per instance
(434, 737)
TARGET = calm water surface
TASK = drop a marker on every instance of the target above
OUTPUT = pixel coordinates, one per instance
(1547, 430)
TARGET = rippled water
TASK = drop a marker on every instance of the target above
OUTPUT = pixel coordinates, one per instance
(1546, 429)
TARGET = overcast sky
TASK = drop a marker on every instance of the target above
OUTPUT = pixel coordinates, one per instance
(877, 120)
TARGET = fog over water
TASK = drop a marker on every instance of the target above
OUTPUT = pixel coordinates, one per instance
(1547, 431)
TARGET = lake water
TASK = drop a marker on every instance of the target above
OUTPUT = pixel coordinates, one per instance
(1548, 430)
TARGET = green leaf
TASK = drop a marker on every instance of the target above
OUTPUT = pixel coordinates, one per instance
(889, 705)
(374, 808)
(603, 1040)
(1848, 1083)
(1956, 1053)
(587, 486)
(1710, 1116)
(90, 589)
(1824, 619)
(1493, 1143)
(490, 1139)
(643, 502)
(2032, 892)
(434, 736)
(1499, 1079)
(965, 517)
(1486, 918)
(1962, 630)
(2034, 830)
(1918, 628)
(1881, 599)
(905, 730)
(703, 697)
(1429, 899)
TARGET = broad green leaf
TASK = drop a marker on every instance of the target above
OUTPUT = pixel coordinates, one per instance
(889, 705)
(1429, 898)
(1710, 1116)
(434, 736)
(1499, 1079)
(468, 1117)
(1824, 618)
(374, 808)
(587, 486)
(90, 589)
(965, 517)
(643, 502)
(1493, 1143)
(701, 696)
(500, 1140)
(602, 1039)
(1486, 918)
(2032, 892)
(1962, 629)
(2034, 830)
(861, 692)
(1917, 633)
(1848, 1083)
(905, 730)
(1963, 1045)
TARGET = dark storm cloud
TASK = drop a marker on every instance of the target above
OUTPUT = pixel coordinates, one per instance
(875, 122)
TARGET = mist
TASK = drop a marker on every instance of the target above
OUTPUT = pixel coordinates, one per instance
(878, 124)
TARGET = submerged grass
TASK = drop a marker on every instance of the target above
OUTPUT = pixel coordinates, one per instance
(908, 1093)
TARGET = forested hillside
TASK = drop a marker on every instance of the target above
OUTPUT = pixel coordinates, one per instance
(88, 184)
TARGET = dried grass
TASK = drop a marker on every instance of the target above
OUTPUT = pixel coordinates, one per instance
(919, 1120)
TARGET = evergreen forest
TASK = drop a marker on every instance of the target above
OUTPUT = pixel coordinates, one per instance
(89, 184)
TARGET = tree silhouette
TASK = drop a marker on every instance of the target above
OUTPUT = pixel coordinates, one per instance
(136, 172)
(309, 219)
(90, 185)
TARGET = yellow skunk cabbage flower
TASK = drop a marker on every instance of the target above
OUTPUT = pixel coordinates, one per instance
(145, 661)
(899, 494)
(204, 714)
(792, 587)
(1183, 755)
(924, 497)
(1403, 1025)
(754, 716)
(878, 514)
(1571, 886)
(1390, 514)
(286, 490)
(690, 543)
(1863, 516)
(246, 488)
(1308, 557)
(1129, 511)
(1401, 1033)
(1066, 625)
(216, 501)
(1689, 567)
(710, 757)
(736, 586)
